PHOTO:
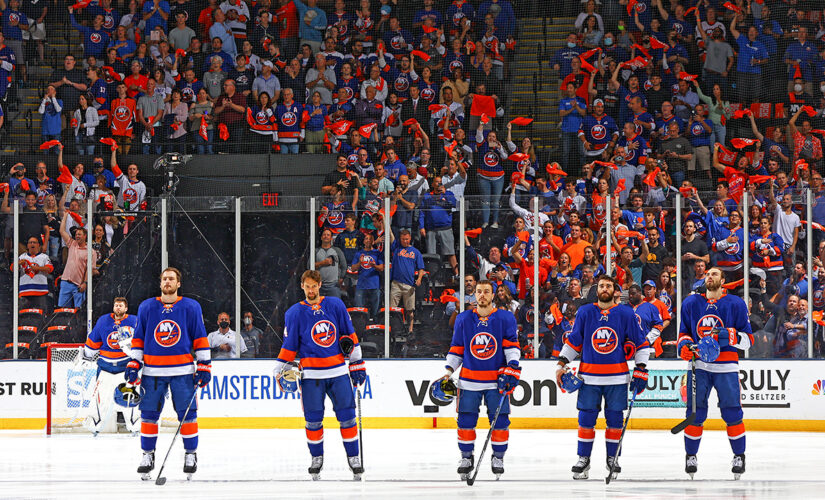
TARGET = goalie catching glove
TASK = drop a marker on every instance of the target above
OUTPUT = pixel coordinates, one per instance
(508, 377)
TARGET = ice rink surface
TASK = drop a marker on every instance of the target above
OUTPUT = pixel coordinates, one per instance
(406, 464)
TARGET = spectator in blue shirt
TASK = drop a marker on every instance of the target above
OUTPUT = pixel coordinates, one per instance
(95, 39)
(155, 13)
(752, 55)
(50, 109)
(407, 273)
(312, 22)
(561, 61)
(14, 21)
(571, 110)
(801, 55)
(699, 131)
(368, 263)
(436, 221)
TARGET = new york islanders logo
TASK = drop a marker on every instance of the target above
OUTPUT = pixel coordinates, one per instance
(335, 217)
(398, 42)
(261, 118)
(598, 132)
(483, 346)
(491, 159)
(95, 37)
(401, 84)
(366, 261)
(352, 159)
(456, 64)
(345, 94)
(604, 340)
(428, 94)
(323, 333)
(167, 333)
(125, 332)
(457, 17)
(130, 195)
(289, 119)
(707, 323)
(122, 113)
(733, 249)
(697, 129)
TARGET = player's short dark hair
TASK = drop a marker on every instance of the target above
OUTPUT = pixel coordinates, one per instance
(485, 282)
(605, 277)
(122, 300)
(403, 232)
(311, 274)
(174, 270)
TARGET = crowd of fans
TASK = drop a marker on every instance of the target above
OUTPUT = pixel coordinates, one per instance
(705, 99)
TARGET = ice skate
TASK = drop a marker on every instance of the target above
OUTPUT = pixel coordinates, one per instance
(190, 464)
(147, 464)
(580, 470)
(616, 468)
(691, 465)
(738, 466)
(497, 463)
(355, 467)
(465, 467)
(315, 467)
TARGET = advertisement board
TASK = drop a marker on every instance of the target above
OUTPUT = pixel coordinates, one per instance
(244, 394)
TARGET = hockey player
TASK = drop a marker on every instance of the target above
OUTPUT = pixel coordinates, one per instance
(606, 335)
(168, 329)
(485, 341)
(111, 338)
(725, 318)
(319, 331)
(647, 314)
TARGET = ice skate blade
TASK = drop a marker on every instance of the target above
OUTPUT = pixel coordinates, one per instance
(189, 476)
(498, 476)
(356, 477)
(581, 475)
(463, 477)
(315, 477)
(736, 477)
(691, 475)
(146, 476)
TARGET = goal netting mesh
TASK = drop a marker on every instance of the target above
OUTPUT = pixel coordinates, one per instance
(71, 393)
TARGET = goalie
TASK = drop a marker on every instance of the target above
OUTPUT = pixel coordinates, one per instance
(111, 338)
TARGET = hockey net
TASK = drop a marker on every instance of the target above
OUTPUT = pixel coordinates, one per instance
(71, 391)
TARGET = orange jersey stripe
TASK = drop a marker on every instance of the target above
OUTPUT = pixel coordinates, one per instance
(694, 431)
(137, 343)
(458, 350)
(315, 434)
(736, 431)
(323, 362)
(349, 432)
(606, 369)
(286, 355)
(93, 345)
(189, 429)
(500, 435)
(510, 343)
(479, 374)
(178, 359)
(200, 343)
(467, 434)
(112, 355)
(612, 433)
(587, 433)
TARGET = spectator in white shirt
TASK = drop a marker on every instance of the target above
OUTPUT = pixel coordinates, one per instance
(224, 341)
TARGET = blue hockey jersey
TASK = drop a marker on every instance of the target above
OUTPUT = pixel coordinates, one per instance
(599, 337)
(729, 254)
(482, 345)
(166, 335)
(312, 333)
(700, 316)
(104, 339)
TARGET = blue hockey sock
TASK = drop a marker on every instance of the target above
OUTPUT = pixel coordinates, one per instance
(613, 433)
(349, 434)
(736, 429)
(693, 433)
(149, 430)
(315, 438)
(587, 431)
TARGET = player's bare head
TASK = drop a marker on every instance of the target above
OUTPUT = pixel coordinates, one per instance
(484, 293)
(311, 284)
(605, 288)
(120, 305)
(714, 279)
(170, 281)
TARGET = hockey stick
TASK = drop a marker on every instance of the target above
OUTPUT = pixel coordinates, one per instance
(692, 417)
(360, 438)
(471, 480)
(160, 481)
(621, 438)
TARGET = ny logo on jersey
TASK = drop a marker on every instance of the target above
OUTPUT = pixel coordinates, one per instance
(167, 333)
(708, 323)
(604, 340)
(483, 346)
(323, 333)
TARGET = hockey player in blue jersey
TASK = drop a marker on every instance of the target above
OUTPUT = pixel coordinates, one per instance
(110, 339)
(650, 320)
(606, 335)
(724, 318)
(485, 345)
(169, 329)
(319, 331)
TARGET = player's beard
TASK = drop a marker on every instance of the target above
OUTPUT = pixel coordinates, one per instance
(168, 290)
(483, 302)
(605, 297)
(310, 296)
(712, 286)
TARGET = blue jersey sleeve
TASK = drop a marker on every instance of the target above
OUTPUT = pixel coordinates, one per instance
(455, 356)
(576, 337)
(509, 336)
(292, 338)
(197, 332)
(140, 330)
(344, 321)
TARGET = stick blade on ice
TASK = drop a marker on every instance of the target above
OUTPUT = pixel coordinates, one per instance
(683, 424)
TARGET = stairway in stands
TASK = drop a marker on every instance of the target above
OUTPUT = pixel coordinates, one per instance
(22, 128)
(535, 90)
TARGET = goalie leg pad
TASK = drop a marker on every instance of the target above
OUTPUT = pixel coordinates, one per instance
(149, 430)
